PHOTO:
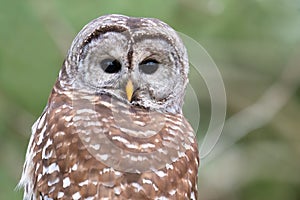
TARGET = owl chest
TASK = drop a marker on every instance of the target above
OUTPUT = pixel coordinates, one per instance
(115, 155)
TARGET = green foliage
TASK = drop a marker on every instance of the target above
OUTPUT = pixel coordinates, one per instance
(252, 42)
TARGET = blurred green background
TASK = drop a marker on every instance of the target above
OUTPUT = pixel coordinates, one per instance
(254, 43)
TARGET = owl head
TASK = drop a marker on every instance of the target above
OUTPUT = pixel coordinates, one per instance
(139, 61)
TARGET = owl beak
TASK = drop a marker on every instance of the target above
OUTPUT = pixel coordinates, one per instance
(129, 90)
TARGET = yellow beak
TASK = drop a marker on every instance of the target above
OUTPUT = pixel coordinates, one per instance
(129, 90)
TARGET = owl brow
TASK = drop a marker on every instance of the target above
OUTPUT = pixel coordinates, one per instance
(141, 37)
(102, 30)
(160, 36)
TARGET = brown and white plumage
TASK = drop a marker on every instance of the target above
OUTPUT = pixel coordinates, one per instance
(93, 142)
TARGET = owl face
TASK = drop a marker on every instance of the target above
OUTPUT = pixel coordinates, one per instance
(140, 61)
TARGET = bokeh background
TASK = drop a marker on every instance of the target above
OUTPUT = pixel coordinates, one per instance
(254, 43)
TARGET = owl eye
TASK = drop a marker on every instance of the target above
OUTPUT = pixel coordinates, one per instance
(110, 66)
(149, 66)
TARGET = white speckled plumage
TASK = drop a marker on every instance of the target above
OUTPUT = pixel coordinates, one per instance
(92, 142)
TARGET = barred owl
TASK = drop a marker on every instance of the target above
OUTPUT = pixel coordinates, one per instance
(113, 126)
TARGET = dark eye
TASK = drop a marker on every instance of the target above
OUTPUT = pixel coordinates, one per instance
(149, 66)
(110, 65)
